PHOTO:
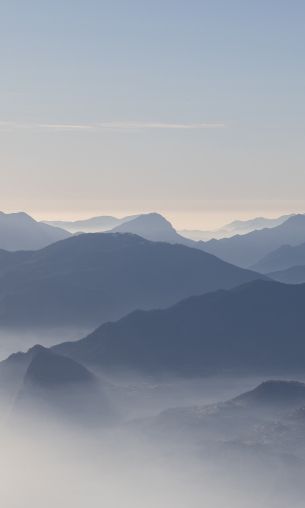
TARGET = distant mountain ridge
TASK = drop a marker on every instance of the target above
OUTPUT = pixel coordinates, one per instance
(240, 250)
(287, 256)
(104, 223)
(97, 224)
(153, 227)
(237, 227)
(293, 275)
(19, 231)
(247, 250)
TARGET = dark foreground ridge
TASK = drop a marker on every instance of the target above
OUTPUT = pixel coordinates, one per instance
(258, 327)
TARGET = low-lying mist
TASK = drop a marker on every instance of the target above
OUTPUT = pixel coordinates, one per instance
(137, 462)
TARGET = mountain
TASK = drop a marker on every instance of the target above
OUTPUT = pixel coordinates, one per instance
(234, 420)
(93, 225)
(55, 386)
(286, 256)
(274, 395)
(10, 259)
(47, 369)
(18, 231)
(237, 227)
(154, 227)
(257, 328)
(293, 275)
(92, 278)
(39, 365)
(247, 250)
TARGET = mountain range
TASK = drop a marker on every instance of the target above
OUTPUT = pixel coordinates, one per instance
(264, 422)
(237, 227)
(19, 231)
(293, 275)
(247, 250)
(92, 278)
(104, 223)
(97, 224)
(257, 327)
(241, 250)
(261, 249)
(287, 256)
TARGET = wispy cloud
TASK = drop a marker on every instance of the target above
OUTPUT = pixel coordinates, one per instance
(158, 125)
(111, 126)
(14, 126)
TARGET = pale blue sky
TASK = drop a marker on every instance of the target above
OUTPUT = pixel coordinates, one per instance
(192, 108)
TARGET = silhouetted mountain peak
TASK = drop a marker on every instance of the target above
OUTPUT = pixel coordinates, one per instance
(19, 231)
(299, 218)
(152, 226)
(274, 392)
(155, 219)
(49, 369)
(20, 217)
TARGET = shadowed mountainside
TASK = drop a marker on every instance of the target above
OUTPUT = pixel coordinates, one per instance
(294, 275)
(54, 387)
(281, 259)
(247, 250)
(154, 227)
(237, 227)
(92, 225)
(92, 278)
(257, 328)
(18, 231)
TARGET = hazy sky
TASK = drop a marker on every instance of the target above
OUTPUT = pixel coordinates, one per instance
(193, 108)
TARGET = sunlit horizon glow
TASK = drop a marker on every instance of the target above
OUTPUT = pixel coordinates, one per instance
(114, 109)
(204, 219)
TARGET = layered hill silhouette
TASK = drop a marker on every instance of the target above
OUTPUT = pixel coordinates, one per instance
(247, 250)
(104, 223)
(54, 386)
(235, 419)
(273, 395)
(237, 227)
(257, 328)
(92, 278)
(242, 250)
(294, 275)
(154, 227)
(18, 231)
(97, 224)
(283, 258)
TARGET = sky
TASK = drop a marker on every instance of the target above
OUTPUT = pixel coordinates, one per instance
(191, 108)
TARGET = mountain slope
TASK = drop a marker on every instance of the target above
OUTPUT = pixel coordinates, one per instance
(93, 225)
(294, 275)
(92, 278)
(258, 327)
(283, 258)
(18, 231)
(154, 227)
(234, 419)
(237, 227)
(246, 250)
(274, 395)
(55, 386)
